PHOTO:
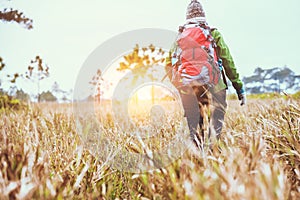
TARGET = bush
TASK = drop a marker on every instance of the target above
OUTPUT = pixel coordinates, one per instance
(9, 103)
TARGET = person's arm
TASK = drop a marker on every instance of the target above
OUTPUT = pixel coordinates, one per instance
(168, 62)
(228, 63)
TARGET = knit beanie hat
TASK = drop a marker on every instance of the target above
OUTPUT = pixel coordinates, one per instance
(195, 11)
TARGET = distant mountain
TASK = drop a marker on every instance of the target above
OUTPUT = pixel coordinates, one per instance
(272, 80)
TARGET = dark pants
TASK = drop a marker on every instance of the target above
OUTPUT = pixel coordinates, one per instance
(190, 101)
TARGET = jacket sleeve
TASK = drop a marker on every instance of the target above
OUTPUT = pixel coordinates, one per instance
(169, 58)
(168, 61)
(227, 61)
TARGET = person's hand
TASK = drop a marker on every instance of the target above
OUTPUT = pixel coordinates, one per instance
(242, 98)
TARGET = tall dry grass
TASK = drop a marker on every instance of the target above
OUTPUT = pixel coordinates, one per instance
(258, 157)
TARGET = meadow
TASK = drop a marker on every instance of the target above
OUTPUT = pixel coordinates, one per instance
(42, 157)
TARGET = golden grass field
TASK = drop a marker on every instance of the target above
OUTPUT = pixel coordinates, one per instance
(42, 157)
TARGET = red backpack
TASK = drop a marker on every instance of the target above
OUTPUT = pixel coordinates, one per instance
(198, 57)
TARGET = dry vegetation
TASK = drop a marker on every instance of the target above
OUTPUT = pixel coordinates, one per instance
(41, 157)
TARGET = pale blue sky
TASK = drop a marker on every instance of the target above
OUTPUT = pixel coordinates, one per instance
(259, 32)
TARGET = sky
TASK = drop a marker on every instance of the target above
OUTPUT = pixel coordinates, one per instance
(258, 33)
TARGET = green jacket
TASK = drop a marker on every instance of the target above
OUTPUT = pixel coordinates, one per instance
(227, 61)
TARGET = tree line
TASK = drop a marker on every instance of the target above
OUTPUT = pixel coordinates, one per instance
(36, 71)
